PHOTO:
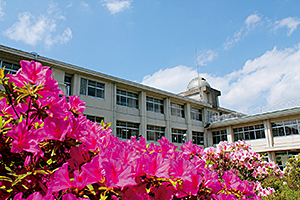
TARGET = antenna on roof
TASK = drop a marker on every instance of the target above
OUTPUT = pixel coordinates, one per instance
(201, 99)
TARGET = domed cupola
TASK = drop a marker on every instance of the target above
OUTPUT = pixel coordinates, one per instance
(197, 83)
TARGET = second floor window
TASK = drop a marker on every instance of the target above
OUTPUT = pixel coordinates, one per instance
(95, 118)
(177, 110)
(92, 88)
(196, 114)
(249, 132)
(286, 128)
(155, 105)
(128, 99)
(68, 83)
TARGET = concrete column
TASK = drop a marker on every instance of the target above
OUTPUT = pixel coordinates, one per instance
(75, 85)
(230, 137)
(268, 133)
(143, 119)
(188, 121)
(114, 105)
(271, 156)
(167, 112)
(207, 132)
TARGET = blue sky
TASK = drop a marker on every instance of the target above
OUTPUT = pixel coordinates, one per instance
(250, 50)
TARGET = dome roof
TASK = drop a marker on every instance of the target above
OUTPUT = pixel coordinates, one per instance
(193, 84)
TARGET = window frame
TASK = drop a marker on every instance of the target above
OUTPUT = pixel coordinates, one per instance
(219, 136)
(128, 128)
(129, 97)
(9, 69)
(157, 105)
(196, 114)
(85, 91)
(178, 135)
(177, 110)
(197, 137)
(281, 127)
(254, 132)
(157, 131)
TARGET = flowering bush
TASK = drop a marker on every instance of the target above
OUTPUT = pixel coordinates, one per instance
(49, 150)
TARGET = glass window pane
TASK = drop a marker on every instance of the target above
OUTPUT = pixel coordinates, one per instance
(91, 91)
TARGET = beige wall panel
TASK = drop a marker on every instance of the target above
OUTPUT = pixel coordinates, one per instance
(178, 119)
(156, 122)
(155, 115)
(198, 128)
(128, 118)
(197, 123)
(179, 126)
(257, 145)
(287, 140)
(59, 75)
(126, 110)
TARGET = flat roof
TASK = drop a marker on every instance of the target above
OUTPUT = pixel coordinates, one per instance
(257, 117)
(13, 54)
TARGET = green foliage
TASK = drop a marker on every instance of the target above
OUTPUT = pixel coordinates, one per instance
(288, 187)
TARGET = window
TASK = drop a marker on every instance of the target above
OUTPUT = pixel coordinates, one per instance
(155, 132)
(68, 83)
(177, 110)
(219, 136)
(198, 138)
(155, 105)
(92, 88)
(178, 136)
(126, 129)
(196, 114)
(95, 118)
(9, 67)
(128, 99)
(249, 132)
(285, 128)
(283, 156)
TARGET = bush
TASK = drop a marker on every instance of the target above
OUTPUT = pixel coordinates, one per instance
(287, 187)
(49, 150)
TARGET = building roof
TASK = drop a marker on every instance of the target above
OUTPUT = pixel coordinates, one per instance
(257, 117)
(14, 54)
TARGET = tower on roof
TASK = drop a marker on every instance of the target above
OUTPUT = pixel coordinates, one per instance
(200, 89)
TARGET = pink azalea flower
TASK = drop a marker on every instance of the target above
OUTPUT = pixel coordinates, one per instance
(70, 196)
(158, 166)
(223, 196)
(56, 128)
(24, 140)
(61, 180)
(118, 174)
(76, 105)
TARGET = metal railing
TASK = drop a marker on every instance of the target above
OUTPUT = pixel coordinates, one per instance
(255, 111)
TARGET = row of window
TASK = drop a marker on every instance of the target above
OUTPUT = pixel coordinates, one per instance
(130, 99)
(249, 132)
(282, 128)
(126, 129)
(285, 128)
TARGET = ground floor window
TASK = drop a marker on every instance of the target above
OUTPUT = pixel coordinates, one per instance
(178, 136)
(198, 138)
(95, 118)
(283, 156)
(127, 129)
(155, 132)
(219, 136)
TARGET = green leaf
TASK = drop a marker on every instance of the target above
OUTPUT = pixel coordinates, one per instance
(21, 177)
(4, 178)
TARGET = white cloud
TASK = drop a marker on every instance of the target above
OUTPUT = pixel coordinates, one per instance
(206, 56)
(2, 5)
(289, 22)
(249, 24)
(115, 6)
(267, 80)
(33, 29)
(85, 5)
(171, 79)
